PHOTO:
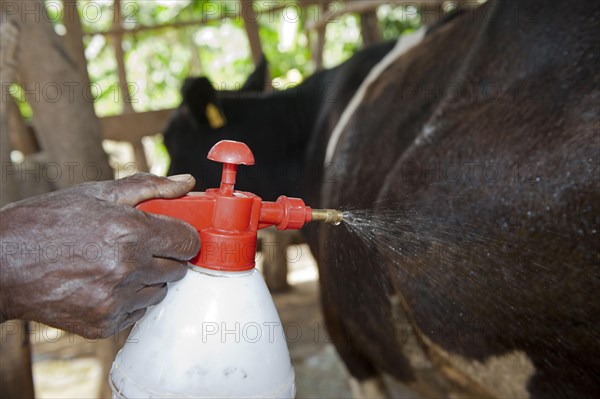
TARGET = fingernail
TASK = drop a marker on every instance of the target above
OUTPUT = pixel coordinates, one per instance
(180, 178)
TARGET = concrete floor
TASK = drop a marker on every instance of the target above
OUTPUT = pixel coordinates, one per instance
(319, 371)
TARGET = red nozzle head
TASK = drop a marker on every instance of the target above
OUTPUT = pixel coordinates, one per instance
(231, 154)
(228, 151)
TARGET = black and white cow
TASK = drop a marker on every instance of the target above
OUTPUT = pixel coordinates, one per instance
(476, 152)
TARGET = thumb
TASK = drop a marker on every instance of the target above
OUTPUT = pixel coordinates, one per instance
(144, 186)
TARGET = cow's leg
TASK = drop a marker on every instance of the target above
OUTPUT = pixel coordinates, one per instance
(274, 253)
(364, 380)
(371, 388)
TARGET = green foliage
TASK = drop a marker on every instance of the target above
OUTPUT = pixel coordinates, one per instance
(19, 95)
(285, 45)
(342, 40)
(157, 61)
(97, 16)
(395, 20)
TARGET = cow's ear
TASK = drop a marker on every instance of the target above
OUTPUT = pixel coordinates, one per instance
(257, 81)
(202, 100)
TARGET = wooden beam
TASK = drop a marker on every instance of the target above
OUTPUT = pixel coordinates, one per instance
(319, 48)
(133, 127)
(360, 7)
(117, 39)
(193, 22)
(124, 127)
(73, 39)
(251, 26)
(320, 42)
(369, 28)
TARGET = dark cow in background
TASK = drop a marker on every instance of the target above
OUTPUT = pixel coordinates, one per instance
(476, 155)
(276, 125)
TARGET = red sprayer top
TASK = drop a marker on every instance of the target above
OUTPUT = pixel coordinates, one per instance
(228, 220)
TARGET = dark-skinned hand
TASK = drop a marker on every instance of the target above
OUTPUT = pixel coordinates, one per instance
(85, 260)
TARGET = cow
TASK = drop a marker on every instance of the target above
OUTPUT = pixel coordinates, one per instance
(468, 165)
(472, 166)
(276, 125)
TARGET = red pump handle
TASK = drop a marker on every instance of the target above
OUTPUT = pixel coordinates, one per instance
(230, 154)
(228, 223)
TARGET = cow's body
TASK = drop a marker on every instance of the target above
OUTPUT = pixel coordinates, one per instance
(492, 272)
(487, 285)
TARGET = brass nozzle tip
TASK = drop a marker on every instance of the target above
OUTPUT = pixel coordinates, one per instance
(327, 216)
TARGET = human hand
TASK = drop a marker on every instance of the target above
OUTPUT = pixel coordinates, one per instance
(85, 260)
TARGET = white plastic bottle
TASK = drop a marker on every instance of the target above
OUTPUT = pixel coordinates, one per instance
(216, 334)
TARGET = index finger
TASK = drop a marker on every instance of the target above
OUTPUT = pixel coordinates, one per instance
(172, 238)
(140, 187)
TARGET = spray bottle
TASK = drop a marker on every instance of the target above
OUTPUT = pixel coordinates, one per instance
(217, 332)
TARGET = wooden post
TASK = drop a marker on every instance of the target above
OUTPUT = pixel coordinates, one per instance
(274, 255)
(369, 27)
(251, 26)
(73, 39)
(9, 33)
(63, 115)
(196, 68)
(320, 43)
(124, 95)
(16, 380)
